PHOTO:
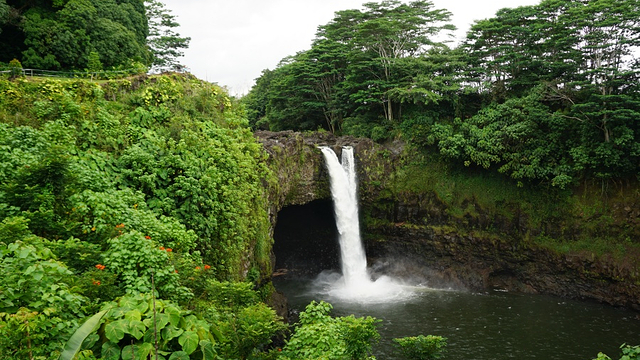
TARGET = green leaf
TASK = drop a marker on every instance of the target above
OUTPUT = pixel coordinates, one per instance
(208, 352)
(134, 314)
(142, 306)
(161, 321)
(115, 330)
(137, 351)
(171, 332)
(144, 350)
(174, 315)
(75, 342)
(136, 329)
(129, 302)
(179, 355)
(130, 352)
(189, 341)
(110, 351)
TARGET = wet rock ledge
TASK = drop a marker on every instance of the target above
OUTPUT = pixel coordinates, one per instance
(412, 233)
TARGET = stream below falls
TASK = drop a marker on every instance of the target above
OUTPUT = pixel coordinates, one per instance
(486, 326)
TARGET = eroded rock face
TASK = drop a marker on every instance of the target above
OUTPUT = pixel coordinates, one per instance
(299, 165)
(479, 262)
(415, 229)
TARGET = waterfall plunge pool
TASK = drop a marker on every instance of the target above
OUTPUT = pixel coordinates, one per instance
(491, 325)
(479, 326)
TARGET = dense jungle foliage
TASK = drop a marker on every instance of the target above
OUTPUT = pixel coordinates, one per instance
(134, 224)
(141, 201)
(544, 94)
(90, 35)
(119, 188)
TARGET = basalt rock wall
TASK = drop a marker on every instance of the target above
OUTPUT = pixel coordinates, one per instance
(413, 233)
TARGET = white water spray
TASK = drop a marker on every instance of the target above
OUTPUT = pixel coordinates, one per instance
(355, 284)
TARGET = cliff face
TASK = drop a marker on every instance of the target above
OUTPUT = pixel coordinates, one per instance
(478, 248)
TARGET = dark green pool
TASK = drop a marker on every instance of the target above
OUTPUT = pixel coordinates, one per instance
(490, 326)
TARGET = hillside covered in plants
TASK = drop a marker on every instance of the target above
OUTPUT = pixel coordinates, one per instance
(117, 188)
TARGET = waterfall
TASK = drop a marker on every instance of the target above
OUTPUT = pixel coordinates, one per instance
(345, 199)
(355, 284)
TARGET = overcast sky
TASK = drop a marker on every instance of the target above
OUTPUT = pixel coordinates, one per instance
(232, 41)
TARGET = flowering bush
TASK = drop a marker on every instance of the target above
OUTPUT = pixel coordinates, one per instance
(136, 259)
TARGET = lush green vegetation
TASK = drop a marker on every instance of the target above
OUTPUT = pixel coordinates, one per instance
(139, 184)
(544, 94)
(137, 207)
(91, 35)
(628, 353)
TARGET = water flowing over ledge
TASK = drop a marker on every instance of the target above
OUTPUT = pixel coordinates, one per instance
(355, 283)
(444, 249)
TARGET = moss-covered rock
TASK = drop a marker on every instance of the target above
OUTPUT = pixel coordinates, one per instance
(472, 229)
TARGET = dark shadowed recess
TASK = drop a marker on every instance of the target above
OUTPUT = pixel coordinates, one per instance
(306, 239)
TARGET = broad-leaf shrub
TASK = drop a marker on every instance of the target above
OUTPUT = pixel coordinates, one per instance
(136, 258)
(320, 336)
(100, 214)
(137, 324)
(38, 309)
(421, 347)
(248, 331)
(210, 179)
(247, 326)
(628, 353)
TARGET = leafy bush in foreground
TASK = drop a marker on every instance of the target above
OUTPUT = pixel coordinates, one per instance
(320, 336)
(628, 353)
(421, 347)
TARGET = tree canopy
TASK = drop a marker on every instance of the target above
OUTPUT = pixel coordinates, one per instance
(362, 63)
(90, 34)
(165, 44)
(543, 93)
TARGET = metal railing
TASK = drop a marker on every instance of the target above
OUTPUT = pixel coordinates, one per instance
(106, 74)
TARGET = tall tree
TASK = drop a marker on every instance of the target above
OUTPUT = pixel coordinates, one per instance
(564, 67)
(4, 13)
(166, 45)
(61, 34)
(383, 34)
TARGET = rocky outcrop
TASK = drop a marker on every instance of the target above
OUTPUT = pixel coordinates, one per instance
(479, 261)
(299, 166)
(477, 249)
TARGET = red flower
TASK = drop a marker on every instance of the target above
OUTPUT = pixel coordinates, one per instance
(207, 267)
(161, 247)
(197, 267)
(147, 237)
(100, 267)
(95, 282)
(169, 249)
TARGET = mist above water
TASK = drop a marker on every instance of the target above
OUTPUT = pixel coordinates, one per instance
(355, 283)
